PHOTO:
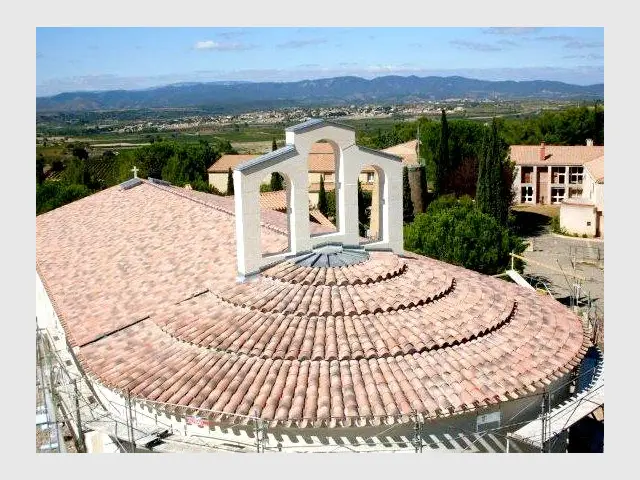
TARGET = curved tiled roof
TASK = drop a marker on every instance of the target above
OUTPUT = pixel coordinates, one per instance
(143, 281)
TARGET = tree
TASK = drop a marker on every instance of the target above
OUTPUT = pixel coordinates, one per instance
(52, 195)
(230, 182)
(39, 169)
(274, 145)
(424, 191)
(79, 151)
(364, 204)
(152, 159)
(188, 163)
(456, 232)
(598, 125)
(407, 203)
(442, 164)
(322, 198)
(76, 172)
(493, 192)
(277, 182)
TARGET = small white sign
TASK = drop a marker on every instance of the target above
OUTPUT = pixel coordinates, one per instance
(488, 418)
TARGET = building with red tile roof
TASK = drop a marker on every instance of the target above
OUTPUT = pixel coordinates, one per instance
(340, 343)
(547, 174)
(584, 215)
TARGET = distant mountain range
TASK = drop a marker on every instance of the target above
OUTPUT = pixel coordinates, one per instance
(235, 96)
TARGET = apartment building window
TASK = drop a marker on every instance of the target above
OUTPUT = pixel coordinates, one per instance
(526, 175)
(526, 194)
(557, 175)
(557, 194)
(575, 192)
(575, 175)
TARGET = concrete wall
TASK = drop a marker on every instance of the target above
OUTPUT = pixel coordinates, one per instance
(219, 181)
(579, 219)
(593, 191)
(416, 194)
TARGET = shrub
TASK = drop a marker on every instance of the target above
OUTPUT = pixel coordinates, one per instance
(456, 232)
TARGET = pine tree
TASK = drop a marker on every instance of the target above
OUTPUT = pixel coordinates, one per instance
(322, 198)
(230, 182)
(442, 163)
(407, 203)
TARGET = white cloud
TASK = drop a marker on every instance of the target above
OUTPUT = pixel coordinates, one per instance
(511, 30)
(478, 46)
(302, 43)
(221, 46)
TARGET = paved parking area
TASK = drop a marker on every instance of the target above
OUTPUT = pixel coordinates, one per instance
(560, 258)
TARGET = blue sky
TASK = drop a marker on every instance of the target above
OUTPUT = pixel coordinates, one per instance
(99, 58)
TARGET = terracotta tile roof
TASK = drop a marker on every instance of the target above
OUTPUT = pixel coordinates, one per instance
(407, 151)
(555, 154)
(274, 200)
(144, 282)
(278, 201)
(321, 159)
(229, 161)
(321, 219)
(596, 169)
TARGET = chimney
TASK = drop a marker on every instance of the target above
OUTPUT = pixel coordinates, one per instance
(542, 152)
(589, 142)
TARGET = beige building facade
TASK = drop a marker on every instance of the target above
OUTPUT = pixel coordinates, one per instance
(549, 174)
(585, 215)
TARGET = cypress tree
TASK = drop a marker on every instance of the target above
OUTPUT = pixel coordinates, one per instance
(424, 192)
(39, 169)
(442, 163)
(493, 193)
(322, 198)
(481, 186)
(407, 203)
(276, 182)
(230, 182)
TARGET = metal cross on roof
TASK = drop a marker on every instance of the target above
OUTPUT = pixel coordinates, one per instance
(135, 171)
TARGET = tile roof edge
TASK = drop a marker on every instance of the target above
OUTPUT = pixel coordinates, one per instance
(380, 153)
(175, 191)
(314, 123)
(285, 152)
(71, 340)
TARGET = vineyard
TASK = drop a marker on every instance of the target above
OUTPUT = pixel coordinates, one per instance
(104, 170)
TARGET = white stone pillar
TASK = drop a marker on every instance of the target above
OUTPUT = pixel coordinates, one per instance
(247, 211)
(298, 210)
(535, 184)
(392, 211)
